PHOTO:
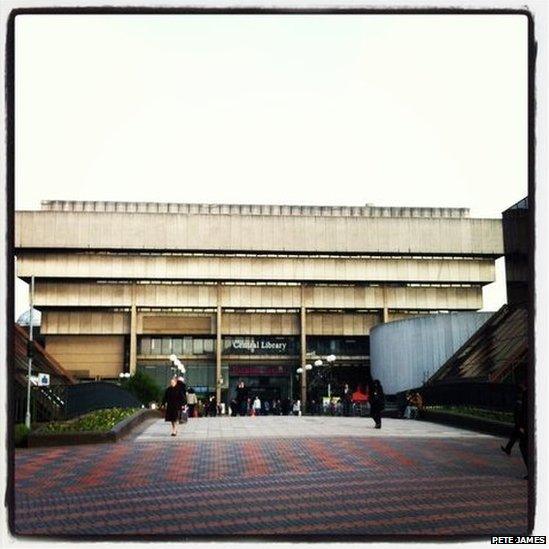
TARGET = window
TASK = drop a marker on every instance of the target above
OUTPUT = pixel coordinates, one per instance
(198, 346)
(177, 346)
(145, 346)
(166, 346)
(156, 346)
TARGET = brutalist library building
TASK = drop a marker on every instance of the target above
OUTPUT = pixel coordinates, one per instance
(251, 292)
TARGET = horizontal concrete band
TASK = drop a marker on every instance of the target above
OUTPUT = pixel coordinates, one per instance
(291, 234)
(83, 294)
(110, 322)
(114, 266)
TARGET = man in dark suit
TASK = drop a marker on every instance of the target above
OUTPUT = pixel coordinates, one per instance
(518, 418)
(347, 399)
(242, 398)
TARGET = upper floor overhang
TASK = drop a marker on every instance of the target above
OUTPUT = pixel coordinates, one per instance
(240, 233)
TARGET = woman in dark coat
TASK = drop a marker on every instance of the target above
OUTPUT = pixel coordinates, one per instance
(172, 402)
(377, 403)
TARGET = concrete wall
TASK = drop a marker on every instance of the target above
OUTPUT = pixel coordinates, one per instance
(405, 353)
(91, 294)
(88, 356)
(292, 234)
(178, 267)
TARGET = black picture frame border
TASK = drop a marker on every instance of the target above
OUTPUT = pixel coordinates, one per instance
(10, 218)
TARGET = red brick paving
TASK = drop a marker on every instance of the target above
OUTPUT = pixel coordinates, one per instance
(282, 487)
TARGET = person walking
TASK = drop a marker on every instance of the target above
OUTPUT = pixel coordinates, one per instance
(242, 398)
(257, 406)
(347, 399)
(182, 391)
(297, 408)
(212, 406)
(377, 402)
(517, 413)
(520, 430)
(191, 401)
(233, 406)
(171, 402)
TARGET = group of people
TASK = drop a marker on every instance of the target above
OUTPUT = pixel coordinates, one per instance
(177, 400)
(412, 405)
(245, 404)
(257, 407)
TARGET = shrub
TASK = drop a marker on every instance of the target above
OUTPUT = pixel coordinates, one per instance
(144, 387)
(96, 421)
(21, 432)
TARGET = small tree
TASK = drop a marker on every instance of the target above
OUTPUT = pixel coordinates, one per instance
(144, 387)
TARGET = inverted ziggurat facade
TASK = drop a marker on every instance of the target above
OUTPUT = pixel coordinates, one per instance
(246, 292)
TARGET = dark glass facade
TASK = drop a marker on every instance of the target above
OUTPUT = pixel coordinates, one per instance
(339, 346)
(253, 345)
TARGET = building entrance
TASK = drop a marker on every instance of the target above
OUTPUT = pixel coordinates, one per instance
(267, 382)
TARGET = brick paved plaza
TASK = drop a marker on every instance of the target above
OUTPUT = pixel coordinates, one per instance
(275, 476)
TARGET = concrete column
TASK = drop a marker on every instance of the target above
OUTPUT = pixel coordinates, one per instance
(218, 347)
(133, 339)
(385, 309)
(303, 353)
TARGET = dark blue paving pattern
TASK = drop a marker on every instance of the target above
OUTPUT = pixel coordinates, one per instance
(274, 487)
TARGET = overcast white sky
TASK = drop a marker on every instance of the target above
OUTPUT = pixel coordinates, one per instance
(390, 110)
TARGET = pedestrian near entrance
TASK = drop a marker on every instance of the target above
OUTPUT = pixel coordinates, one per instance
(297, 408)
(171, 401)
(233, 406)
(191, 401)
(257, 406)
(347, 399)
(377, 402)
(242, 398)
(212, 406)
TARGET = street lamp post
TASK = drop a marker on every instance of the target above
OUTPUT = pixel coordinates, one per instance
(177, 365)
(30, 351)
(303, 371)
(330, 359)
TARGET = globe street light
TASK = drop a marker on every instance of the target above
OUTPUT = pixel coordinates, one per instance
(330, 359)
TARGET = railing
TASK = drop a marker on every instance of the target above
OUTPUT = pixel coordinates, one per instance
(47, 403)
(60, 402)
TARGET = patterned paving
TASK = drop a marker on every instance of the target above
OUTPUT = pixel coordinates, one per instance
(291, 426)
(364, 486)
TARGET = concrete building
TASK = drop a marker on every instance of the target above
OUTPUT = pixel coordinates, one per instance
(242, 291)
